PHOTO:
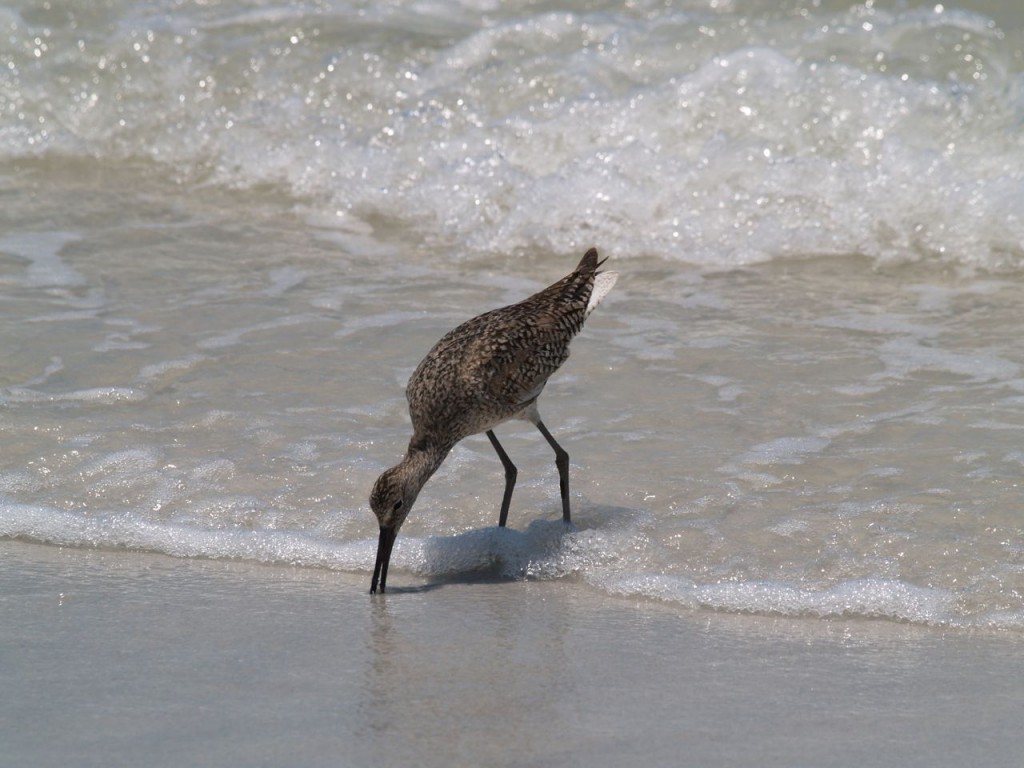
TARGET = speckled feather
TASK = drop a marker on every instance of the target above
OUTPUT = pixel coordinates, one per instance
(492, 368)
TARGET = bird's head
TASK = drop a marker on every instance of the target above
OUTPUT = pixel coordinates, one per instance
(391, 499)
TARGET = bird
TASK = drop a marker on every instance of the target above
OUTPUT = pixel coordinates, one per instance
(489, 370)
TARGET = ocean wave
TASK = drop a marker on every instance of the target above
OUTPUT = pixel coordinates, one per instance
(686, 134)
(866, 598)
(602, 558)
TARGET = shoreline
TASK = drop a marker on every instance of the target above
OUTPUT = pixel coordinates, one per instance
(124, 658)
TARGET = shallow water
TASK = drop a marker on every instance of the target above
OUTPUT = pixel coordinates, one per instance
(230, 233)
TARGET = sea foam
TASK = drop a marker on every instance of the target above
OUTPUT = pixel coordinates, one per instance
(695, 135)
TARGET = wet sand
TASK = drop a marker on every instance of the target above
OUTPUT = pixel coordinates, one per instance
(114, 658)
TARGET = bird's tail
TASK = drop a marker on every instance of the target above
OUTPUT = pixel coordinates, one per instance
(589, 262)
(603, 281)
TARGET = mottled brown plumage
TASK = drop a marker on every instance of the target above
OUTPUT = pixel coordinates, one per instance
(488, 370)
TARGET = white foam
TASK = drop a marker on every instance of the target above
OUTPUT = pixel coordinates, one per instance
(381, 320)
(19, 482)
(158, 370)
(38, 523)
(96, 395)
(235, 336)
(645, 133)
(132, 461)
(874, 598)
(882, 323)
(905, 355)
(56, 365)
(283, 280)
(728, 389)
(42, 250)
(785, 450)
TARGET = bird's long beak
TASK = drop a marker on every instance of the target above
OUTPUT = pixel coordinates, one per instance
(384, 545)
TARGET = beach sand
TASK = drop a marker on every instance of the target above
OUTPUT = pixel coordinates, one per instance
(114, 658)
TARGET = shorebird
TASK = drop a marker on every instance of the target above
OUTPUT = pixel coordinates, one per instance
(487, 371)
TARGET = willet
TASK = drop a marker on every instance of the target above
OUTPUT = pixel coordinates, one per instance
(488, 370)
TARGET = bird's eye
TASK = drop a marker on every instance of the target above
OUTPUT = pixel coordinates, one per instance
(397, 505)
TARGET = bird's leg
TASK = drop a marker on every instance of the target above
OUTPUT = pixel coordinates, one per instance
(562, 462)
(510, 477)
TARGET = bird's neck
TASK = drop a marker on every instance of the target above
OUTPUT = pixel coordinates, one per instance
(422, 460)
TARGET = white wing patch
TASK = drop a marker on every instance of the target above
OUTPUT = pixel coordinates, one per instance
(602, 284)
